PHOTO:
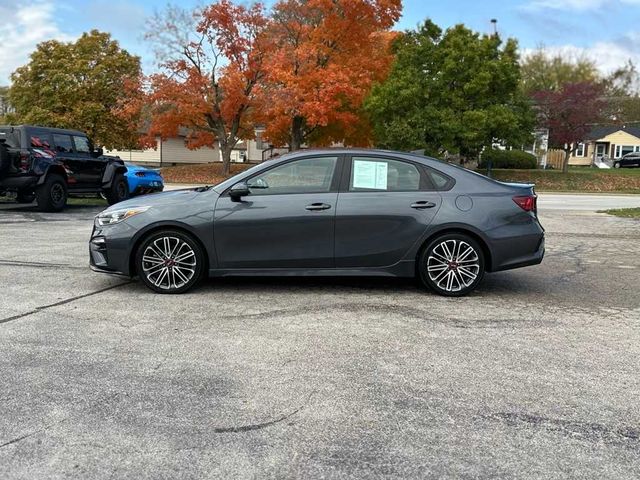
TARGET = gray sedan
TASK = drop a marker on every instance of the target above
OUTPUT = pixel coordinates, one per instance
(338, 212)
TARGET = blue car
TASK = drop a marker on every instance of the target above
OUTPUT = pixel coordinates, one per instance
(143, 180)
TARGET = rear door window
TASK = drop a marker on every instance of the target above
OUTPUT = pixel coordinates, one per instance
(381, 174)
(63, 143)
(81, 144)
(439, 180)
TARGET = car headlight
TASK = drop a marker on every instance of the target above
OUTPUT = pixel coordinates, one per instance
(117, 216)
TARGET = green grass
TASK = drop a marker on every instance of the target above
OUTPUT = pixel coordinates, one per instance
(623, 212)
(588, 180)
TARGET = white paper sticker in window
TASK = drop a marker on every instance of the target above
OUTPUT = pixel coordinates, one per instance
(372, 175)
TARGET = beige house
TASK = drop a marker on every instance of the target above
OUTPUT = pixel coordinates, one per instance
(174, 151)
(607, 141)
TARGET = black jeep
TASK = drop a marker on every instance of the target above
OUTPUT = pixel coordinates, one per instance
(49, 164)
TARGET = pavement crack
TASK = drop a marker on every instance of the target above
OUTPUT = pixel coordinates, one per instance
(586, 431)
(20, 263)
(260, 426)
(27, 435)
(62, 302)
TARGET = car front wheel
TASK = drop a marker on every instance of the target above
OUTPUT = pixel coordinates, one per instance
(452, 265)
(616, 165)
(170, 262)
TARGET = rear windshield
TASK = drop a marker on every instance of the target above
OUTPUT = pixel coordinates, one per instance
(11, 139)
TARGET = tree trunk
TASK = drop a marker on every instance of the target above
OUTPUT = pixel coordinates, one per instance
(225, 151)
(297, 135)
(565, 162)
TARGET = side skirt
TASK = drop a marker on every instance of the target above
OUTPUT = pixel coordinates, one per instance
(401, 269)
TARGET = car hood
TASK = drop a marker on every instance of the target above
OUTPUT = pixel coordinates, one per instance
(172, 197)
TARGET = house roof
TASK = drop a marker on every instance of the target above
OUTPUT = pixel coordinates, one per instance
(601, 131)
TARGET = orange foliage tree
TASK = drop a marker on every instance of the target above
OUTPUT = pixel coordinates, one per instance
(212, 64)
(327, 55)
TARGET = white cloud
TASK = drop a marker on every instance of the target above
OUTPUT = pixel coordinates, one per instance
(576, 5)
(607, 55)
(25, 24)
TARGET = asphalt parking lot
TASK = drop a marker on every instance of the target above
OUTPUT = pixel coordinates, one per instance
(534, 375)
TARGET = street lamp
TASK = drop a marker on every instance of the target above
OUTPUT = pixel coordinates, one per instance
(494, 22)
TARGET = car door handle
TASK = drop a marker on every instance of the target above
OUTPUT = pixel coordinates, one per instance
(423, 204)
(317, 206)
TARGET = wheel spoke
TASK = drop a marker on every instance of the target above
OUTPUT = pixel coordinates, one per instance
(466, 253)
(161, 276)
(437, 268)
(181, 258)
(154, 269)
(147, 258)
(447, 253)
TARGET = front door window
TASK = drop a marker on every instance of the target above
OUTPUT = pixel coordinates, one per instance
(309, 175)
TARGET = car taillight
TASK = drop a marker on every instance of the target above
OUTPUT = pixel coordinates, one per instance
(24, 161)
(139, 174)
(526, 202)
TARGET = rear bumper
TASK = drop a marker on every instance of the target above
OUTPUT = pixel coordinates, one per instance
(526, 260)
(142, 189)
(18, 182)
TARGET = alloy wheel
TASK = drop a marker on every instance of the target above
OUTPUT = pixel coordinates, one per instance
(453, 265)
(122, 190)
(57, 193)
(169, 263)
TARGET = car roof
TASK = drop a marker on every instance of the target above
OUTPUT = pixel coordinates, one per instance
(49, 129)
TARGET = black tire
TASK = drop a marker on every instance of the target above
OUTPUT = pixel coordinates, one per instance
(455, 274)
(5, 159)
(616, 165)
(52, 194)
(164, 265)
(26, 196)
(119, 190)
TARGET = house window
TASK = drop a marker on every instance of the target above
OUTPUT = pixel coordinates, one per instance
(622, 150)
(581, 151)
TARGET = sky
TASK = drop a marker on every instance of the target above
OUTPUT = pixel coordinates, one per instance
(607, 31)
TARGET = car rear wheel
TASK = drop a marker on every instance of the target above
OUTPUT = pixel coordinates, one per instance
(170, 262)
(119, 190)
(52, 194)
(452, 265)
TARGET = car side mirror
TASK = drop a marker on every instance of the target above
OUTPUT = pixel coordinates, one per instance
(98, 152)
(238, 191)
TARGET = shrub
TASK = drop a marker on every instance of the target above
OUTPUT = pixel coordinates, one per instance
(507, 159)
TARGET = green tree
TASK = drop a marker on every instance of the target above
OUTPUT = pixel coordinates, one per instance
(4, 103)
(451, 93)
(77, 85)
(541, 71)
(622, 87)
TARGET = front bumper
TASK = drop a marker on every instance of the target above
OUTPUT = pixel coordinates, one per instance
(109, 250)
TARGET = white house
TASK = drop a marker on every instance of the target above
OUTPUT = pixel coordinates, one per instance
(174, 151)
